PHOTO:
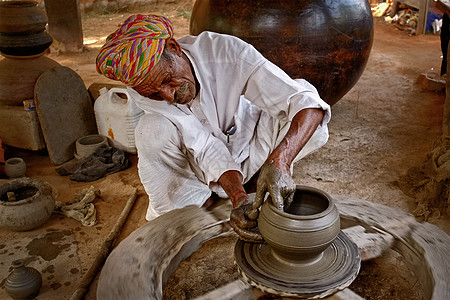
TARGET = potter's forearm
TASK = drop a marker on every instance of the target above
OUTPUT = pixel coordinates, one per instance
(302, 127)
(231, 182)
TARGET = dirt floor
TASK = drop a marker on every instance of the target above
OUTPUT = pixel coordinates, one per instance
(384, 126)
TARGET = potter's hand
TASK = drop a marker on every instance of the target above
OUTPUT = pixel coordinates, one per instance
(243, 220)
(278, 184)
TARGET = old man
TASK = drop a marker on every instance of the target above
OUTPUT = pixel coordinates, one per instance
(218, 116)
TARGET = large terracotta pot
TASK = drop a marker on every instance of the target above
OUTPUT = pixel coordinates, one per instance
(21, 17)
(326, 42)
(25, 203)
(18, 76)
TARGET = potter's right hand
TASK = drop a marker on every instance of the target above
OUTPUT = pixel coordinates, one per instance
(243, 219)
(279, 185)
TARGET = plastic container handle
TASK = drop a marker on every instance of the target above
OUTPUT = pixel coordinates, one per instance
(118, 91)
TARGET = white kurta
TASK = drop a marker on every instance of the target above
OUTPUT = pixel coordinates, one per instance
(184, 150)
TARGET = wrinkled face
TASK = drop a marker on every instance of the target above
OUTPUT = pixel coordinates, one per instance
(170, 80)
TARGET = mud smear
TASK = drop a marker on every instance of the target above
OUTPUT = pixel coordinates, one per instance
(49, 246)
(50, 269)
(55, 286)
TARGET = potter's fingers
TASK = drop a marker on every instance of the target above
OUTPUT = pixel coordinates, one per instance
(260, 193)
(252, 214)
(238, 217)
(246, 235)
(277, 199)
(249, 223)
(289, 198)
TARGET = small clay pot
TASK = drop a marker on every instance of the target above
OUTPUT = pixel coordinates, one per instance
(87, 145)
(23, 282)
(304, 230)
(25, 203)
(15, 167)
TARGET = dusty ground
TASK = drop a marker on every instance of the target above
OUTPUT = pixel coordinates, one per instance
(381, 128)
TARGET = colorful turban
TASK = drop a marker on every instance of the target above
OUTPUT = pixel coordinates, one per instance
(131, 51)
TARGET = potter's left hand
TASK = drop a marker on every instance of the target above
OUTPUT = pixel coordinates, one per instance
(279, 184)
(243, 221)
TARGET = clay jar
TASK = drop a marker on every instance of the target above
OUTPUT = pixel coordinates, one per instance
(23, 282)
(15, 167)
(87, 145)
(19, 17)
(304, 230)
(25, 203)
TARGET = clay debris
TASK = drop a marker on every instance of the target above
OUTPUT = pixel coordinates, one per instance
(429, 183)
(81, 207)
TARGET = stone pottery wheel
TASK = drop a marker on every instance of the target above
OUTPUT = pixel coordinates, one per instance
(305, 254)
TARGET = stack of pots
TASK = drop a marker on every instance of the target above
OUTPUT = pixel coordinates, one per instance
(23, 43)
(22, 28)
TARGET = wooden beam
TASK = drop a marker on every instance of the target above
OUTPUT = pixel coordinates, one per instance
(64, 25)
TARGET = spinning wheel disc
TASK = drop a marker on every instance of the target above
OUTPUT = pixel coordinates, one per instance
(334, 270)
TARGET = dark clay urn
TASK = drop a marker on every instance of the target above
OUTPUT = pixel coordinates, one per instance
(23, 282)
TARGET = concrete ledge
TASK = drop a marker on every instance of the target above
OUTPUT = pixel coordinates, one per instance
(20, 128)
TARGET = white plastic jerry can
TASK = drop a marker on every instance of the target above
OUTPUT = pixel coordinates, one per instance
(117, 118)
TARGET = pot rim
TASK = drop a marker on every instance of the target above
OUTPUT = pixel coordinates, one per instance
(14, 160)
(91, 140)
(23, 57)
(18, 4)
(303, 217)
(22, 182)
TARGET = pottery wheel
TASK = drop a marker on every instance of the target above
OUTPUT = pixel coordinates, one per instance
(333, 271)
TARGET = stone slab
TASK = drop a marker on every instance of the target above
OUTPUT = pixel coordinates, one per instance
(371, 242)
(20, 128)
(65, 111)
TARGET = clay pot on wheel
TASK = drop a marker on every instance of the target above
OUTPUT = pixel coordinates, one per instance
(25, 203)
(304, 230)
(305, 254)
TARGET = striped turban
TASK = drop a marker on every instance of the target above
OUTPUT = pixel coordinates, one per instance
(131, 51)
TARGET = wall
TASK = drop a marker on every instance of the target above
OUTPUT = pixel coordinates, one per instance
(102, 6)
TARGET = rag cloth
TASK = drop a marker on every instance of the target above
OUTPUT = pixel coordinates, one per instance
(81, 207)
(104, 161)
